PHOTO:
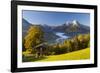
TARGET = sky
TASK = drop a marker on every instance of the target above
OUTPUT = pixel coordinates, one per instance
(55, 18)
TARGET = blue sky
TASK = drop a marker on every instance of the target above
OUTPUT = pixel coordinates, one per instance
(55, 18)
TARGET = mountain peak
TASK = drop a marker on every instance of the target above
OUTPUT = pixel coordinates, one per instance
(75, 23)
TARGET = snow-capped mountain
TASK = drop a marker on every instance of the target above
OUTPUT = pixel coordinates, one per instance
(75, 23)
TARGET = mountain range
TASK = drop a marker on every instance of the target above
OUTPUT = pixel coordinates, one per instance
(69, 29)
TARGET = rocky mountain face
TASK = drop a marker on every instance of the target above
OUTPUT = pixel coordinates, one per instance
(25, 26)
(73, 26)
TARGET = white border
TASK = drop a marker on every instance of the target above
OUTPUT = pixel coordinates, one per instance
(39, 64)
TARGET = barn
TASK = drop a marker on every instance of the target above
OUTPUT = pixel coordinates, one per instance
(41, 50)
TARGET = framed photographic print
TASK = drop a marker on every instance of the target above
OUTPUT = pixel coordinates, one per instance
(51, 36)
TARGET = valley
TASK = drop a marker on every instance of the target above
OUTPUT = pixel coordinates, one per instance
(56, 34)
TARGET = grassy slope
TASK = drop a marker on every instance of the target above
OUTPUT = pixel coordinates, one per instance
(77, 55)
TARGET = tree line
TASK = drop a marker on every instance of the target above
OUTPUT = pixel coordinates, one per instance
(78, 42)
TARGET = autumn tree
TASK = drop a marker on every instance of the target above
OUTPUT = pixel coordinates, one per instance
(83, 40)
(75, 43)
(34, 37)
(68, 45)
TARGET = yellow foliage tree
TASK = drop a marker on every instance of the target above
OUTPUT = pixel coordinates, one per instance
(34, 37)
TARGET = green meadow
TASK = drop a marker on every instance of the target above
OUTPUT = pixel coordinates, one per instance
(76, 55)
